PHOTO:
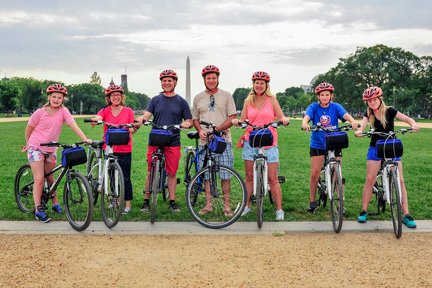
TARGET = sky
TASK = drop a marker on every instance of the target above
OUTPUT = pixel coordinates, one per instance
(293, 40)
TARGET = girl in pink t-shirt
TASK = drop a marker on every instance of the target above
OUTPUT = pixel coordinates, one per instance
(261, 107)
(117, 113)
(44, 126)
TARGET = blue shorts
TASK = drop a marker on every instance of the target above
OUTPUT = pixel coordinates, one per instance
(371, 155)
(272, 153)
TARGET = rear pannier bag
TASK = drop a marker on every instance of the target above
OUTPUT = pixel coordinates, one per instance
(117, 136)
(336, 140)
(159, 137)
(73, 156)
(389, 148)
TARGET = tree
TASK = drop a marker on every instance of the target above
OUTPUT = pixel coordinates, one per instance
(32, 93)
(239, 96)
(8, 95)
(95, 79)
(90, 95)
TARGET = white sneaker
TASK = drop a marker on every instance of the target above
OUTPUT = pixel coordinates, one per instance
(246, 211)
(280, 215)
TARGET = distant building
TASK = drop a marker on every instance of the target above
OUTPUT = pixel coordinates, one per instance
(124, 80)
(306, 88)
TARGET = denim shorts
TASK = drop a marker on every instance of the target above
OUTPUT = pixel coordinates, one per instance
(272, 153)
(371, 155)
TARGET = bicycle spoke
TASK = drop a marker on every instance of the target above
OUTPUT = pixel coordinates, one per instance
(24, 189)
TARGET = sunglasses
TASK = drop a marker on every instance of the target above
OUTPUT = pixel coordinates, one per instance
(212, 101)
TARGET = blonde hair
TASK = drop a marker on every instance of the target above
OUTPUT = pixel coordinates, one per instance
(250, 99)
(108, 101)
(381, 112)
(47, 104)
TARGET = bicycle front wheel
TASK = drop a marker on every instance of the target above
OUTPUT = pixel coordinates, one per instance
(112, 200)
(24, 189)
(216, 196)
(92, 170)
(395, 204)
(259, 195)
(336, 203)
(78, 201)
(154, 184)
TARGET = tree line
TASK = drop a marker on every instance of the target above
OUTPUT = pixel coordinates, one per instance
(406, 80)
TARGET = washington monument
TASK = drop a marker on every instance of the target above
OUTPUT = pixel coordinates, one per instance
(188, 83)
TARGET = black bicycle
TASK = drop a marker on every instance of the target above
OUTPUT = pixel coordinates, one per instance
(77, 195)
(216, 194)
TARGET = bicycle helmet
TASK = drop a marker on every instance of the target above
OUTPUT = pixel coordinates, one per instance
(324, 87)
(210, 69)
(168, 73)
(261, 75)
(371, 93)
(113, 88)
(57, 88)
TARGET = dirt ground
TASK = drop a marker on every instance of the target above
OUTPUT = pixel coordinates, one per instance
(279, 260)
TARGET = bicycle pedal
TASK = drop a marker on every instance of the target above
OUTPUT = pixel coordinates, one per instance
(281, 179)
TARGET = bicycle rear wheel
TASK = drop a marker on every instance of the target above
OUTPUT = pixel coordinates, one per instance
(24, 189)
(379, 191)
(78, 201)
(112, 201)
(154, 184)
(216, 196)
(336, 203)
(321, 190)
(395, 204)
(92, 171)
(259, 195)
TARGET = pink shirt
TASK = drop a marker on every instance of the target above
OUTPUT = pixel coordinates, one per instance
(126, 116)
(260, 117)
(47, 128)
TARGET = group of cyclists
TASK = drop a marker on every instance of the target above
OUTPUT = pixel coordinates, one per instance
(217, 106)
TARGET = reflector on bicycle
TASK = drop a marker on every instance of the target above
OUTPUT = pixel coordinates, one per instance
(260, 138)
(217, 144)
(336, 140)
(389, 148)
(159, 137)
(73, 156)
(117, 136)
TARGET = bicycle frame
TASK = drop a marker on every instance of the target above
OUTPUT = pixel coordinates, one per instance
(260, 159)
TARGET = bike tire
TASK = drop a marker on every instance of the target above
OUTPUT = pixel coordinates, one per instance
(259, 195)
(381, 203)
(78, 201)
(395, 204)
(92, 171)
(189, 167)
(230, 193)
(321, 190)
(112, 201)
(336, 201)
(154, 185)
(23, 189)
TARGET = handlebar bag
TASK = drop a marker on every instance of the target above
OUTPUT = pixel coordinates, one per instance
(260, 138)
(159, 137)
(117, 136)
(336, 140)
(217, 144)
(389, 148)
(73, 156)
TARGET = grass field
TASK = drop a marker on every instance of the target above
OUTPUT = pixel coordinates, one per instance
(294, 165)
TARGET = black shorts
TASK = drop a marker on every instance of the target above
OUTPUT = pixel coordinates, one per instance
(318, 152)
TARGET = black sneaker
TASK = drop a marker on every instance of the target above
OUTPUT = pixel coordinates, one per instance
(41, 215)
(145, 207)
(312, 207)
(174, 207)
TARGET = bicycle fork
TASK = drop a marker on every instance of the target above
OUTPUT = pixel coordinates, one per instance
(264, 175)
(386, 185)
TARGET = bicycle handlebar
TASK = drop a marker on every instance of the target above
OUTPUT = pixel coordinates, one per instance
(56, 144)
(317, 128)
(384, 134)
(163, 127)
(100, 122)
(274, 124)
(210, 125)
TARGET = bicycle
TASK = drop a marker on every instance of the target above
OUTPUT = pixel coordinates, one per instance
(77, 196)
(160, 136)
(330, 183)
(387, 188)
(259, 138)
(216, 194)
(105, 175)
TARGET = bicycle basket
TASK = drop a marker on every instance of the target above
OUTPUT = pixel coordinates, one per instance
(336, 140)
(160, 137)
(217, 144)
(117, 136)
(73, 156)
(260, 138)
(389, 148)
